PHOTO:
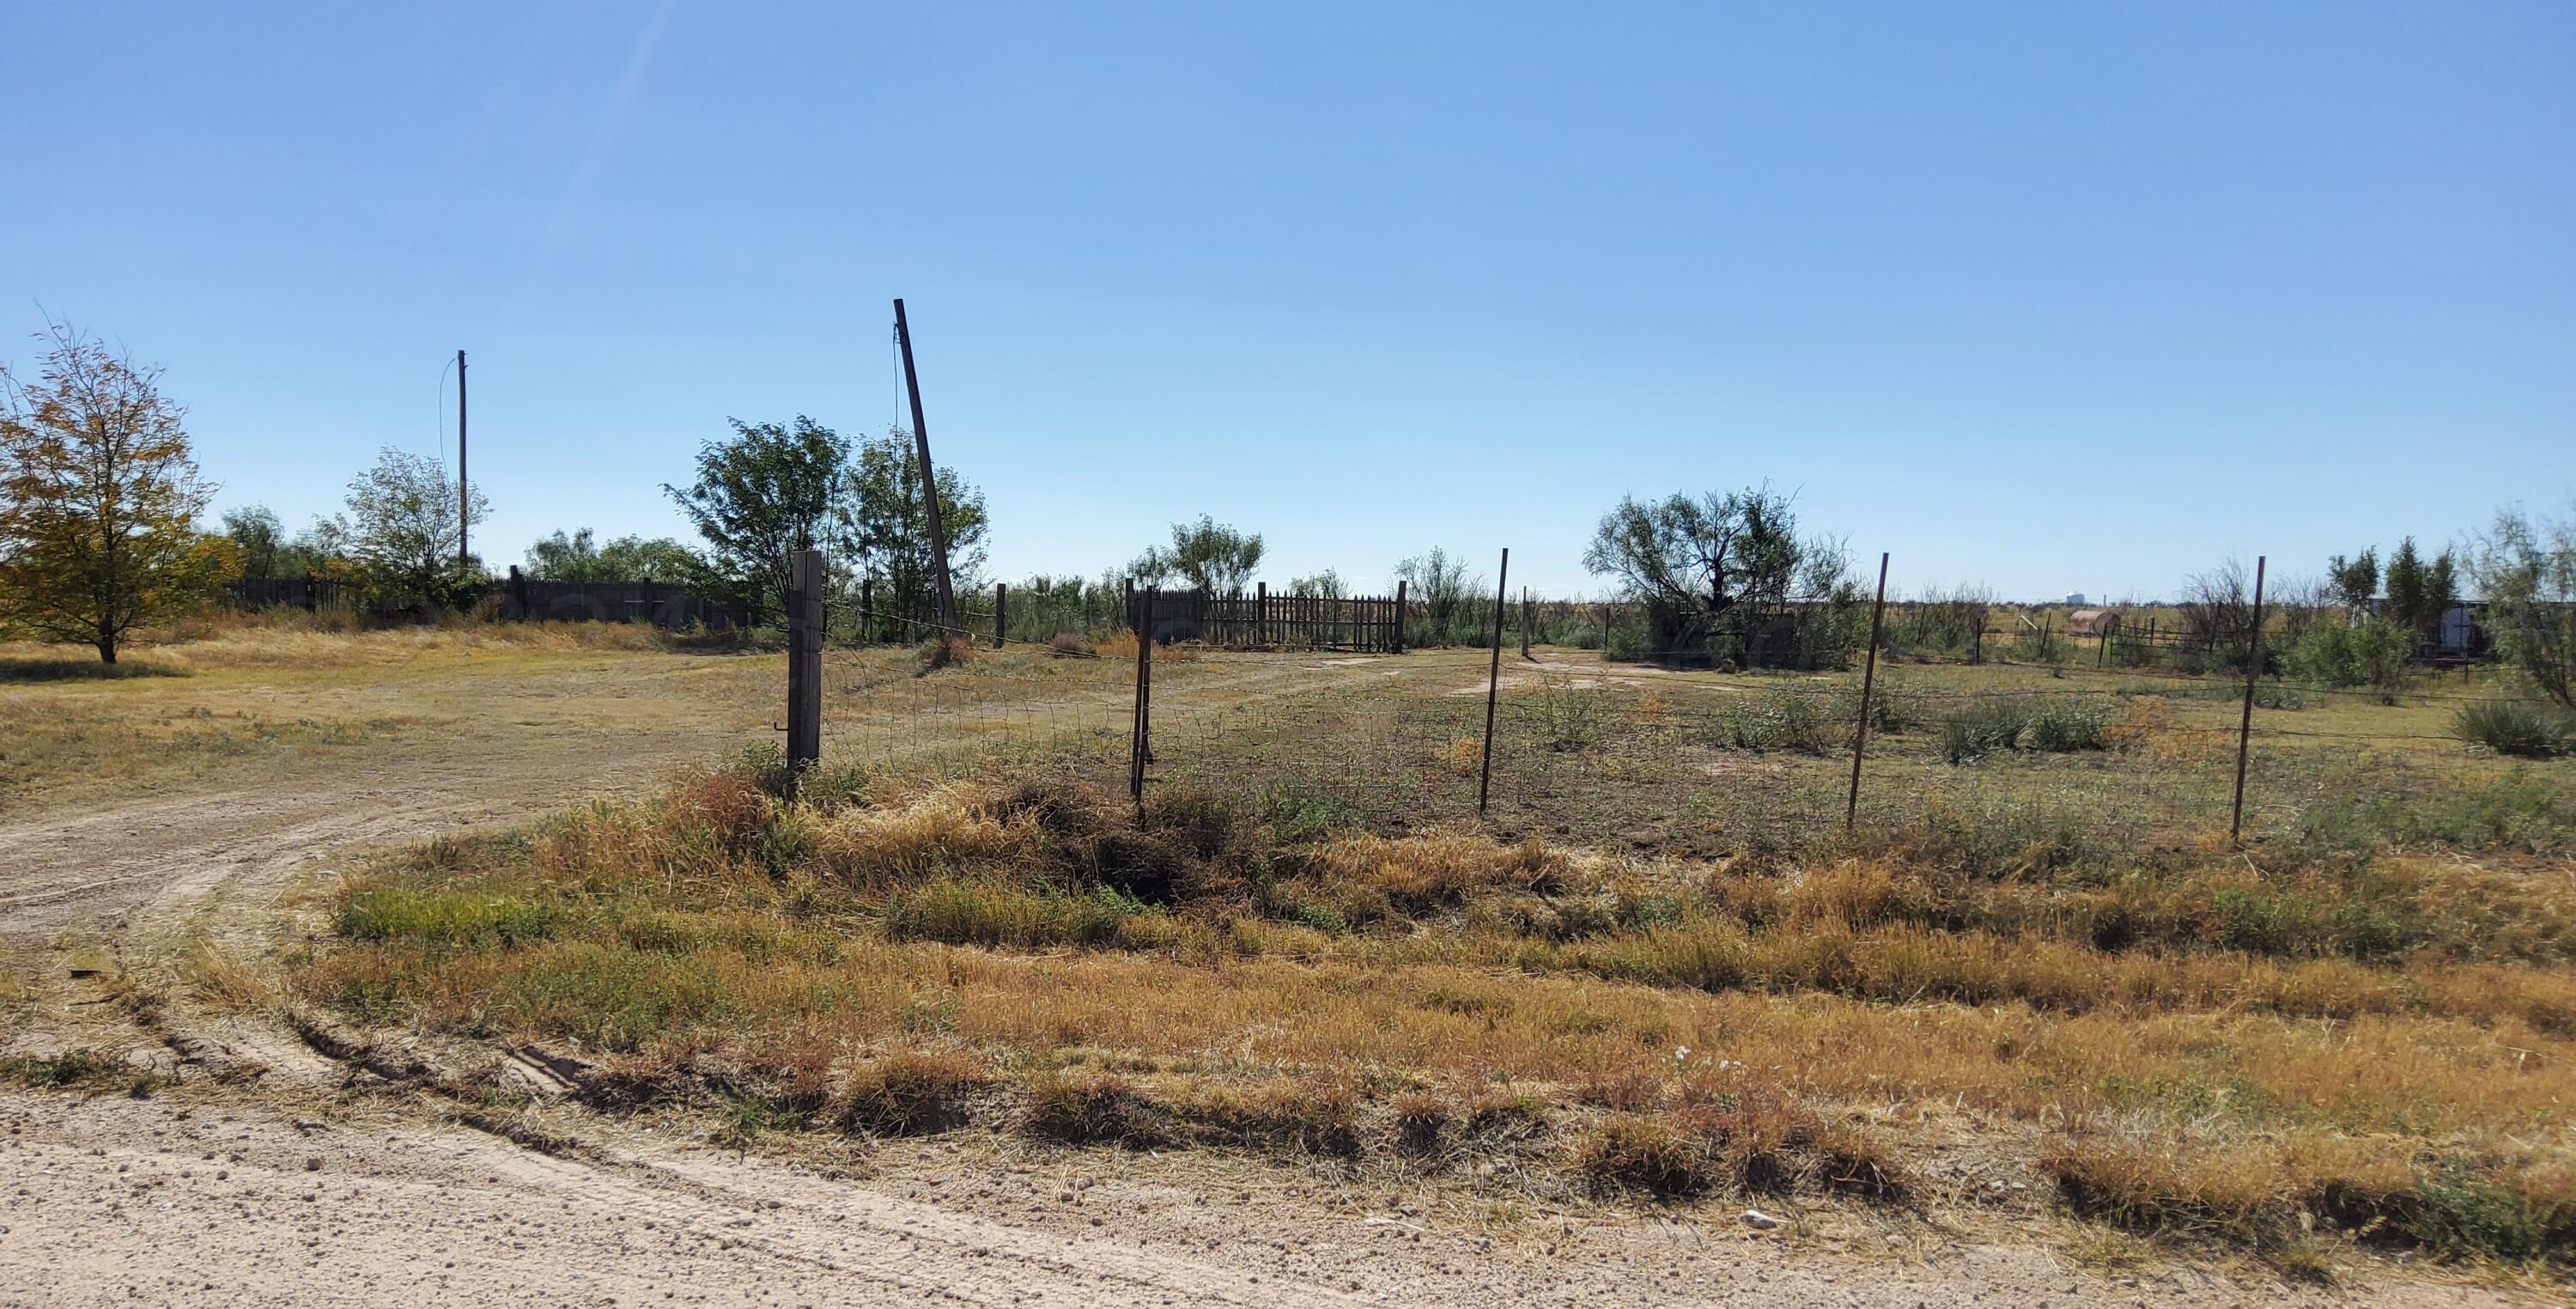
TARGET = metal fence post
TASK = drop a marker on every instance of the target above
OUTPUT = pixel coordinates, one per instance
(1001, 607)
(2245, 724)
(804, 661)
(1868, 685)
(1493, 686)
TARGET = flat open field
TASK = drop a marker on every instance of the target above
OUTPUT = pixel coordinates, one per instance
(2031, 1027)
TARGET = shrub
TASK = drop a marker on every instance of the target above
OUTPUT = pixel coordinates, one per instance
(2331, 654)
(1894, 704)
(1981, 728)
(2046, 724)
(2040, 645)
(2062, 725)
(1569, 717)
(2514, 727)
(1782, 718)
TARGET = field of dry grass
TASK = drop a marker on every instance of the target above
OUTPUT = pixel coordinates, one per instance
(2302, 1061)
(245, 698)
(2035, 985)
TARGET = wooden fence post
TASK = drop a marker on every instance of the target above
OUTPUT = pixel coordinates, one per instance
(1001, 607)
(1868, 684)
(1525, 622)
(1399, 615)
(867, 610)
(1261, 613)
(1139, 732)
(2245, 724)
(1493, 687)
(804, 661)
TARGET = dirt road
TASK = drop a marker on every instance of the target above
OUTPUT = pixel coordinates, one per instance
(304, 1186)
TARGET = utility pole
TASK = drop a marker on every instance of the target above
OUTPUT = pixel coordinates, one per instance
(929, 476)
(464, 491)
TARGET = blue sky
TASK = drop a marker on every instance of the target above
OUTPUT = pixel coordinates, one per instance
(2053, 297)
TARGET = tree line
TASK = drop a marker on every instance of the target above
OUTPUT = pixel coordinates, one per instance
(101, 502)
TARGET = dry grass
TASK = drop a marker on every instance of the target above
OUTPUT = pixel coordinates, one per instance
(225, 983)
(2382, 1050)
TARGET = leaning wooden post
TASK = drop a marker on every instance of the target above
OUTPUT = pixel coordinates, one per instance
(804, 661)
(2245, 724)
(1139, 734)
(1001, 608)
(1493, 687)
(1868, 685)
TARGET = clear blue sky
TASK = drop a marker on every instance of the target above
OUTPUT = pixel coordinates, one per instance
(2048, 296)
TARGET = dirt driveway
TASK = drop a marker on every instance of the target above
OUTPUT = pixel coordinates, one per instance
(310, 1185)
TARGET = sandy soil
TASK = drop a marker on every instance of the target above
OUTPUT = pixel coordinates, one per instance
(311, 1183)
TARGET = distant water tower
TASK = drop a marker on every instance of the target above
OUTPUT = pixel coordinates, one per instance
(2075, 598)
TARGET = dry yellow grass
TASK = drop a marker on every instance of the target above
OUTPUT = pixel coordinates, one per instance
(1031, 958)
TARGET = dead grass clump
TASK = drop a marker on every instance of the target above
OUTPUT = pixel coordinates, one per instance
(1440, 869)
(1093, 1108)
(1745, 1138)
(1288, 1114)
(1070, 645)
(726, 804)
(635, 1079)
(912, 1092)
(1420, 1117)
(946, 652)
(943, 831)
(221, 981)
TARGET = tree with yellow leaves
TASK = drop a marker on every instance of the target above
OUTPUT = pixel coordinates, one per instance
(99, 498)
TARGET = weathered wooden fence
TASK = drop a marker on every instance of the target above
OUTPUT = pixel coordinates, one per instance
(516, 597)
(1368, 624)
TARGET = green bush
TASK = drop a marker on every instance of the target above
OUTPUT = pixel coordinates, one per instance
(2332, 654)
(2050, 724)
(2061, 725)
(1981, 728)
(1894, 704)
(1782, 718)
(1567, 716)
(2520, 728)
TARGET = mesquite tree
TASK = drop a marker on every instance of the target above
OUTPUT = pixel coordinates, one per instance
(99, 498)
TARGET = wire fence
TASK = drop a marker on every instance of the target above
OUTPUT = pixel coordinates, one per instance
(2017, 758)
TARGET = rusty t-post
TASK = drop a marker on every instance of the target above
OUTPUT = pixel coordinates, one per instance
(1868, 685)
(1493, 686)
(2245, 724)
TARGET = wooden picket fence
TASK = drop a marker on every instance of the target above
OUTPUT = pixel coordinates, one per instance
(1262, 621)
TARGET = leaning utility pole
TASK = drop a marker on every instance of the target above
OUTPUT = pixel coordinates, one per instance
(464, 489)
(929, 477)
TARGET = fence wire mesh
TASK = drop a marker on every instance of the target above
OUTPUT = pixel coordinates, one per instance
(1643, 753)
